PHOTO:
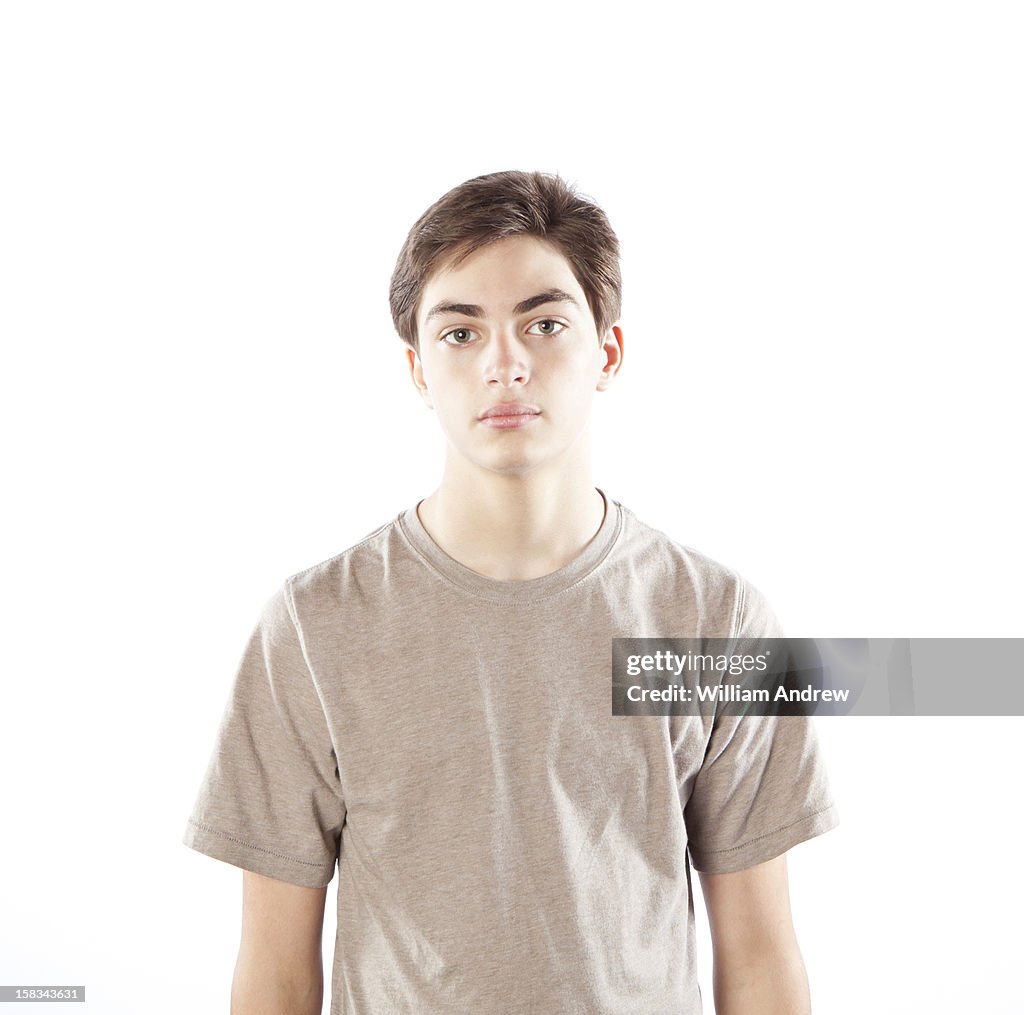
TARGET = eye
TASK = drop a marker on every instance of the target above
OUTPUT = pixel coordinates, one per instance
(457, 332)
(558, 324)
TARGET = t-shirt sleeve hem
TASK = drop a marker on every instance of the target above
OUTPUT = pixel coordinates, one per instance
(235, 850)
(764, 847)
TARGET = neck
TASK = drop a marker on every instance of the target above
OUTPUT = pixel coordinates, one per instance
(513, 527)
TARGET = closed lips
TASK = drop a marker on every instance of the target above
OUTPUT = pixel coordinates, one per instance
(510, 409)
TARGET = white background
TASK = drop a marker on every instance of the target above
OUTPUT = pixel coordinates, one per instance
(820, 213)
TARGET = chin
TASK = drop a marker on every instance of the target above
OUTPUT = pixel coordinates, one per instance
(511, 466)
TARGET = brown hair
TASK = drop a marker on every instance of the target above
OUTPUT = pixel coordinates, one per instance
(498, 205)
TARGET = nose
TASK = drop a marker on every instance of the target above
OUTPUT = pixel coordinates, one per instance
(507, 363)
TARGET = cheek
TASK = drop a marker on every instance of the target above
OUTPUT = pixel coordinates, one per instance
(582, 374)
(449, 400)
(433, 378)
(446, 387)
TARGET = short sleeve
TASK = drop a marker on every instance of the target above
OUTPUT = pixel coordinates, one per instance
(270, 801)
(762, 787)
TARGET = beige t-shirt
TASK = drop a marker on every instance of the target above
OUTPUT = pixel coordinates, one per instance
(503, 842)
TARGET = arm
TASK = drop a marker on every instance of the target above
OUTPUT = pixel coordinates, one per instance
(279, 969)
(758, 969)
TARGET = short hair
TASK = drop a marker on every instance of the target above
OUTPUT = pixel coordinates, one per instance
(499, 205)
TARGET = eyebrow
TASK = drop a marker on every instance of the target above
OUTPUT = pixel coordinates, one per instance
(523, 307)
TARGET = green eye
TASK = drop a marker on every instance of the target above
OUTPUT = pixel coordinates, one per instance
(558, 324)
(456, 331)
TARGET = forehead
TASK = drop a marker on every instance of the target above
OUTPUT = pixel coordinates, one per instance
(501, 274)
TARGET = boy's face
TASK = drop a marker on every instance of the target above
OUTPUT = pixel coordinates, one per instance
(502, 346)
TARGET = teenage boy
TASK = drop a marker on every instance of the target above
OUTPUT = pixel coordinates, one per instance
(429, 710)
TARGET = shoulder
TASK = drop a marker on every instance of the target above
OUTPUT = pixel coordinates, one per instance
(719, 589)
(360, 569)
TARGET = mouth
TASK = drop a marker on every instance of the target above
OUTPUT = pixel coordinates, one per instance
(510, 409)
(509, 415)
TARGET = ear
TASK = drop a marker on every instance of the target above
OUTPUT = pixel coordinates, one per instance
(613, 350)
(416, 373)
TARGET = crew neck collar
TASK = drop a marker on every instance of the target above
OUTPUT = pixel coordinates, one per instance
(530, 589)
